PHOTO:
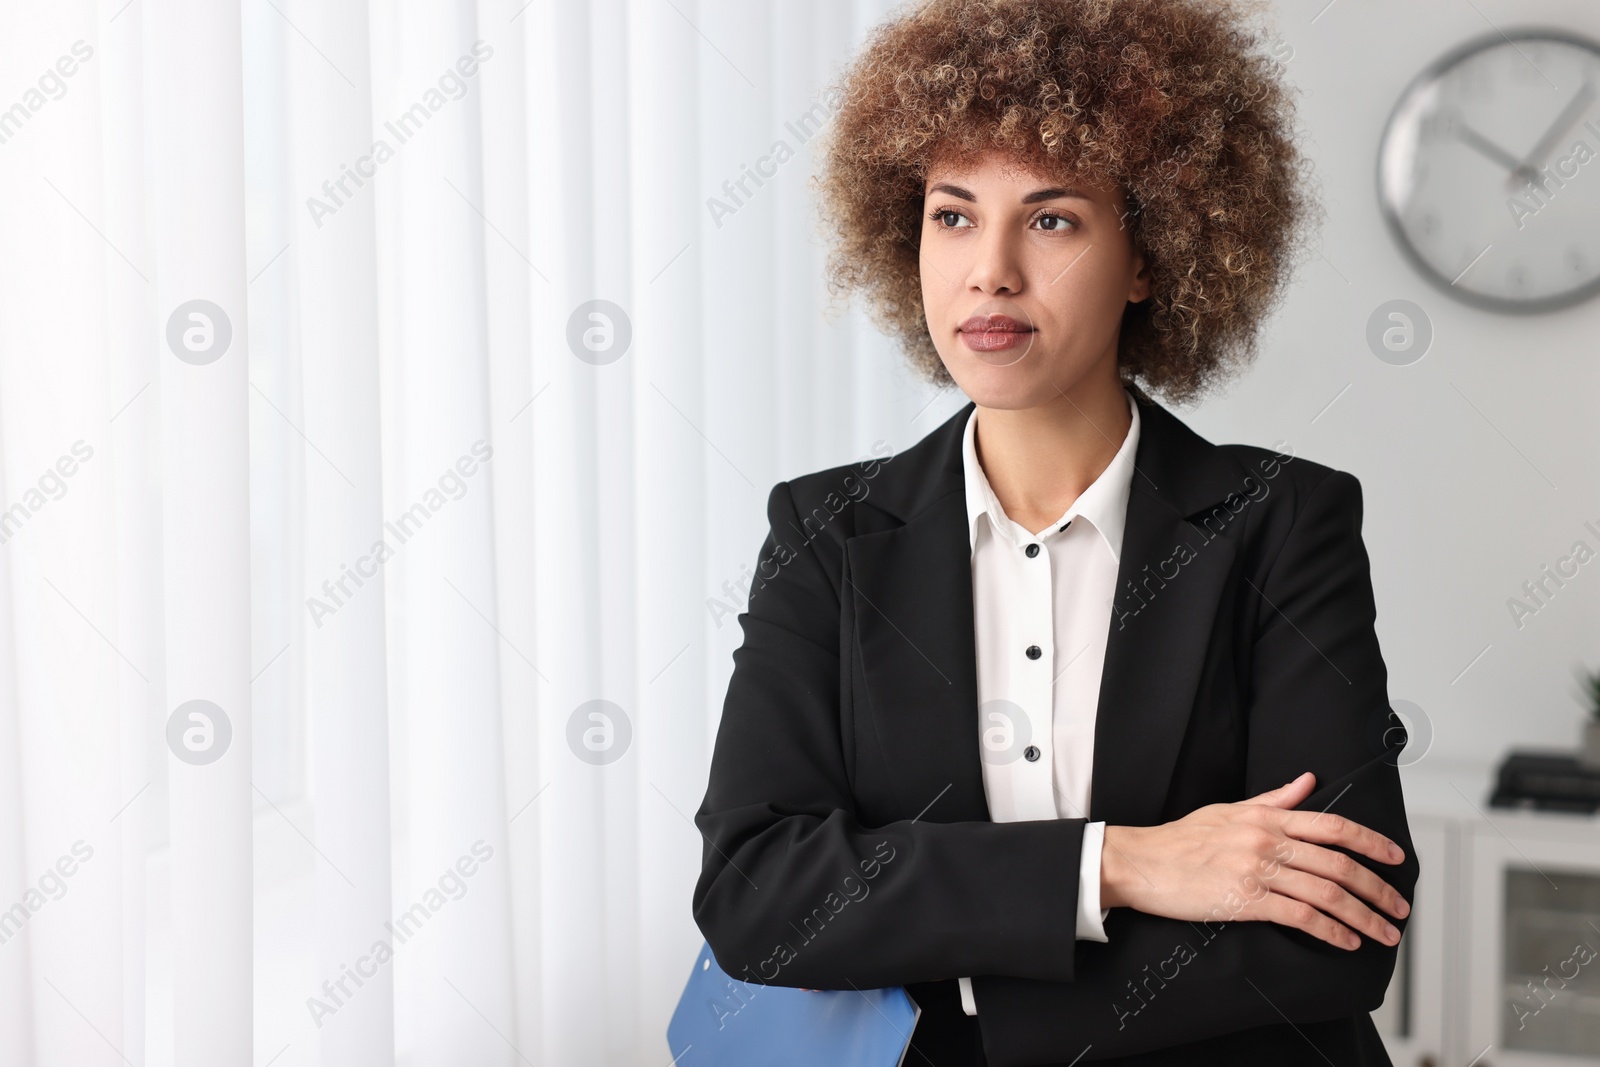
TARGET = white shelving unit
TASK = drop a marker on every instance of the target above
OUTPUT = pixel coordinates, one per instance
(1505, 898)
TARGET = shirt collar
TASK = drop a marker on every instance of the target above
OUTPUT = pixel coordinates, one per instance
(1104, 504)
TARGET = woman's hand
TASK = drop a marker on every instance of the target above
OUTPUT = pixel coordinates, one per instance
(1256, 860)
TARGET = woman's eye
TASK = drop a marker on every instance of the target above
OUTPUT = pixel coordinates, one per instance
(950, 219)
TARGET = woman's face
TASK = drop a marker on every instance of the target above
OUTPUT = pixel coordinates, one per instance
(1024, 280)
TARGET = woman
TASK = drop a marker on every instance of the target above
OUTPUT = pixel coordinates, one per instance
(1068, 720)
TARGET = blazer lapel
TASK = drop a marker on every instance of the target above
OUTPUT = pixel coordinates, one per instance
(1171, 578)
(911, 590)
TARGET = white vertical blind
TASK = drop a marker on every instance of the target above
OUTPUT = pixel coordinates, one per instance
(343, 625)
(134, 419)
(195, 101)
(513, 281)
(16, 981)
(566, 42)
(460, 976)
(664, 367)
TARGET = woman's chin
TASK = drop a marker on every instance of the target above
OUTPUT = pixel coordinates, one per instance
(1002, 387)
(1021, 384)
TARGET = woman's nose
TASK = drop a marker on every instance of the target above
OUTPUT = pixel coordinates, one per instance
(995, 266)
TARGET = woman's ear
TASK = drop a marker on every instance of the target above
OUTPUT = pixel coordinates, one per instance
(1140, 289)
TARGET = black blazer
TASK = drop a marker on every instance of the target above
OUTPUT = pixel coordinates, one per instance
(848, 842)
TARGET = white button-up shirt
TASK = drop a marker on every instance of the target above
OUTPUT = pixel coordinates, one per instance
(1041, 622)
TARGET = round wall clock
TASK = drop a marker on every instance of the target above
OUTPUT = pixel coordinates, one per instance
(1489, 171)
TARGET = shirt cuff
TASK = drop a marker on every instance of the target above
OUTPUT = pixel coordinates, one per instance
(968, 1005)
(1091, 916)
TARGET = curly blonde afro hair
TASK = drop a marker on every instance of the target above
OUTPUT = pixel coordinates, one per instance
(1170, 100)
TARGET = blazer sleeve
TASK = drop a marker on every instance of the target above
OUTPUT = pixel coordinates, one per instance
(794, 889)
(1316, 700)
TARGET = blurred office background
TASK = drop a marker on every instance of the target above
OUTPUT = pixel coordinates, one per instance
(534, 347)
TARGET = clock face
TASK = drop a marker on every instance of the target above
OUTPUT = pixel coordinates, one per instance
(1489, 171)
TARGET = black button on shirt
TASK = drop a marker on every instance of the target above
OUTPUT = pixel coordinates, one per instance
(1034, 652)
(1031, 753)
(1032, 550)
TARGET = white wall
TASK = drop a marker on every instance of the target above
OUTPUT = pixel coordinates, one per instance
(1456, 519)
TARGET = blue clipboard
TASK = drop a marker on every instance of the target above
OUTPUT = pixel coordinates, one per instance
(723, 1022)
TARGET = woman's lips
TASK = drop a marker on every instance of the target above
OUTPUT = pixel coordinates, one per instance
(994, 333)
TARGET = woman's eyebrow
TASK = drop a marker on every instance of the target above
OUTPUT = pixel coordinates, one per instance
(1053, 193)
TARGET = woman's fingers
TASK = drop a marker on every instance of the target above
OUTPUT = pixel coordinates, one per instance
(1291, 911)
(1323, 828)
(1336, 902)
(1355, 877)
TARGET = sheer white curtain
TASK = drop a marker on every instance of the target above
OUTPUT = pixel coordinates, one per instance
(365, 605)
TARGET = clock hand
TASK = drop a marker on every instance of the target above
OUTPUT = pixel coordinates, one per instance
(1474, 139)
(1528, 168)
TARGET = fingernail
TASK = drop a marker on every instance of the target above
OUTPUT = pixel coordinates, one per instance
(1402, 909)
(1394, 852)
(1352, 941)
(1390, 934)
